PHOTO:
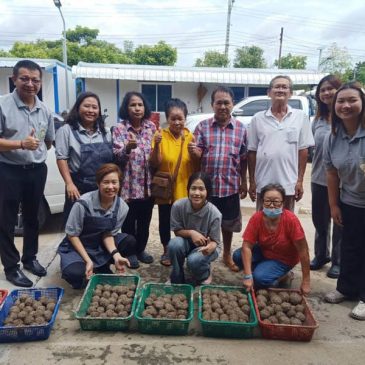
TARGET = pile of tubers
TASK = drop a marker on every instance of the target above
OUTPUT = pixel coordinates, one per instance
(281, 307)
(27, 311)
(166, 306)
(111, 301)
(227, 306)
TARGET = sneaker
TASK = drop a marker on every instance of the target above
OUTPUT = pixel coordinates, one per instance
(317, 264)
(359, 311)
(334, 272)
(334, 297)
(133, 262)
(145, 257)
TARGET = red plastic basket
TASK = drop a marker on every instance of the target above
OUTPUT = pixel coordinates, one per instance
(3, 294)
(285, 331)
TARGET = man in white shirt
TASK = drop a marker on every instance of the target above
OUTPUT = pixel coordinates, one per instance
(278, 141)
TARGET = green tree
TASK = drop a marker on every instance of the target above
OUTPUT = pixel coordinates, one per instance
(292, 62)
(82, 35)
(159, 54)
(336, 60)
(359, 72)
(212, 59)
(249, 57)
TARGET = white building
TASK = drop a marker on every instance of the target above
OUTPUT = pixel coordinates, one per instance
(53, 92)
(191, 84)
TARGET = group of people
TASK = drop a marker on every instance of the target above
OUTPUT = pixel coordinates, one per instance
(109, 201)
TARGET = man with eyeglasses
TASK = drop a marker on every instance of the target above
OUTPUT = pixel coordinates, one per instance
(26, 132)
(278, 141)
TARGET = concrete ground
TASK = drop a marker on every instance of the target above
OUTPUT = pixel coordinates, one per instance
(338, 340)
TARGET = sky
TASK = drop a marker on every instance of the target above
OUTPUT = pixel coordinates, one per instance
(195, 26)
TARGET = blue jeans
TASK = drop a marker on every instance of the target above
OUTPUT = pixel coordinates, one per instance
(266, 272)
(180, 248)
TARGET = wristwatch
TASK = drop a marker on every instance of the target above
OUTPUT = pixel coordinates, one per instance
(247, 276)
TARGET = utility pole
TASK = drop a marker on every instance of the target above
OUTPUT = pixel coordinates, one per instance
(281, 46)
(320, 57)
(230, 6)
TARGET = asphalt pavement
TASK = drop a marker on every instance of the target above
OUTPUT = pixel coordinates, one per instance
(339, 339)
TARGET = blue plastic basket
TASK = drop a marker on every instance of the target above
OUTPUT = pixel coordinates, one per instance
(28, 333)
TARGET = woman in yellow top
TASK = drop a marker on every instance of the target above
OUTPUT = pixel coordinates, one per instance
(166, 147)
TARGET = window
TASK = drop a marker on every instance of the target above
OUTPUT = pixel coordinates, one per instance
(252, 108)
(239, 93)
(157, 95)
(257, 91)
(296, 104)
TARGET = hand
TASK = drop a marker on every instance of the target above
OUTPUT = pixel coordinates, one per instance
(252, 191)
(132, 142)
(89, 269)
(208, 249)
(158, 137)
(243, 190)
(299, 191)
(72, 192)
(192, 147)
(336, 215)
(120, 262)
(248, 284)
(305, 287)
(31, 142)
(198, 239)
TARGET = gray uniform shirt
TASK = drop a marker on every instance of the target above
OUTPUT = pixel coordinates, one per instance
(347, 155)
(320, 128)
(207, 220)
(68, 148)
(75, 221)
(17, 122)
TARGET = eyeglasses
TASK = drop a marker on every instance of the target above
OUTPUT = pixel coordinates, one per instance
(26, 80)
(281, 87)
(275, 203)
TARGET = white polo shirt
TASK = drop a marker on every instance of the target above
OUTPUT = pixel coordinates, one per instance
(277, 144)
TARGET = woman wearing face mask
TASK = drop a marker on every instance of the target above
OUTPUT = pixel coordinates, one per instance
(273, 243)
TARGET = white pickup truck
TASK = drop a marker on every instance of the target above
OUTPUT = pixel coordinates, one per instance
(248, 107)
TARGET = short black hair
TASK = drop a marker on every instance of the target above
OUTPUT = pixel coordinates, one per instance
(175, 103)
(271, 187)
(28, 64)
(222, 89)
(73, 117)
(203, 176)
(123, 110)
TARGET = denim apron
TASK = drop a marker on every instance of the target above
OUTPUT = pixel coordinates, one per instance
(91, 238)
(92, 156)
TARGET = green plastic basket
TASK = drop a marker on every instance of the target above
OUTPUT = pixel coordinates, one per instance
(223, 328)
(161, 326)
(88, 323)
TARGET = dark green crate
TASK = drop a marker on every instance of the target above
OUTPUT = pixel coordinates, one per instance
(223, 328)
(105, 324)
(161, 326)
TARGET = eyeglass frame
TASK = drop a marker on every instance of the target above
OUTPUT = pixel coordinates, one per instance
(26, 80)
(275, 203)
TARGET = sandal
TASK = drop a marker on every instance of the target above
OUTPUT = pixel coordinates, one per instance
(165, 260)
(231, 265)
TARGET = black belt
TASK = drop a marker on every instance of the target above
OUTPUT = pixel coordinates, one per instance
(29, 166)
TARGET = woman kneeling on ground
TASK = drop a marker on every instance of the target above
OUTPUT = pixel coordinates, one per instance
(273, 243)
(93, 240)
(196, 223)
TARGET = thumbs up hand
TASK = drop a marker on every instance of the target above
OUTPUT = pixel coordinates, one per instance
(132, 142)
(192, 148)
(158, 136)
(31, 142)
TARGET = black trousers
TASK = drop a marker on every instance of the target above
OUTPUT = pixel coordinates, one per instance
(321, 217)
(25, 185)
(137, 222)
(164, 213)
(74, 273)
(351, 281)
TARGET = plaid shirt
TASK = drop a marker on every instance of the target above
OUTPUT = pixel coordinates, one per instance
(136, 182)
(223, 148)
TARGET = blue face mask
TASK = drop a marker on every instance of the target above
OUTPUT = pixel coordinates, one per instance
(272, 212)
